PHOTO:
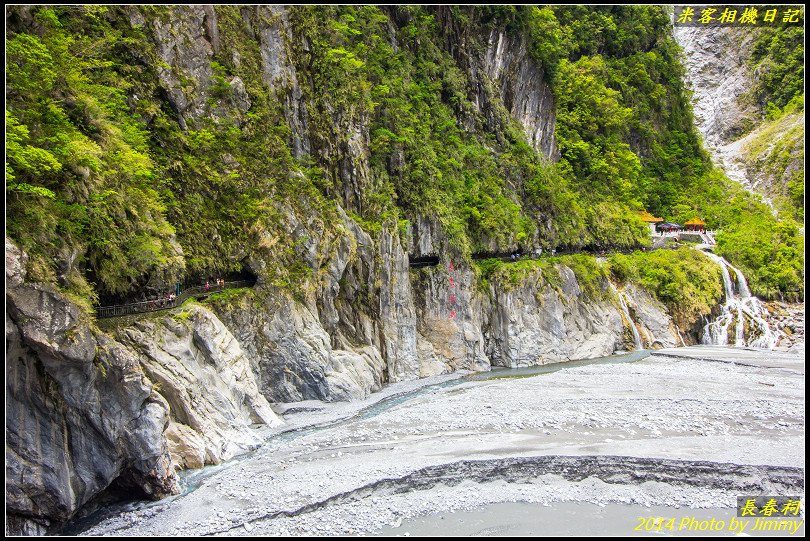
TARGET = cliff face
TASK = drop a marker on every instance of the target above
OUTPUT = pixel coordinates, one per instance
(80, 414)
(195, 363)
(531, 325)
(87, 410)
(521, 85)
(762, 155)
(90, 409)
(507, 87)
(721, 80)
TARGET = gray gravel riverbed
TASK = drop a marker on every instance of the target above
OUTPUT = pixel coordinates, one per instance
(687, 428)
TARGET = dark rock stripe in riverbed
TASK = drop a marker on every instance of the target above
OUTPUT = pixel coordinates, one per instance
(610, 469)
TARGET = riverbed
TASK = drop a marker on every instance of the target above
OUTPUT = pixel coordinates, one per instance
(680, 429)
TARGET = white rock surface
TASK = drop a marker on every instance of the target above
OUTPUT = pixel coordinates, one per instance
(538, 325)
(718, 74)
(652, 319)
(202, 372)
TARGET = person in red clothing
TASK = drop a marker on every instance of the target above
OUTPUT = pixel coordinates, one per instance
(207, 286)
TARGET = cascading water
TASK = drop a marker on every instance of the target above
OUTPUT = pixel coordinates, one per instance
(680, 336)
(736, 309)
(636, 336)
(742, 284)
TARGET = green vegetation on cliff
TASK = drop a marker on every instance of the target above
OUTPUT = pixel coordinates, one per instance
(624, 125)
(81, 184)
(768, 250)
(546, 270)
(778, 58)
(422, 161)
(685, 280)
(103, 176)
(775, 151)
(112, 187)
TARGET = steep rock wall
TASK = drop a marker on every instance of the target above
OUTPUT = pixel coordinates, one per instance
(349, 332)
(520, 84)
(654, 323)
(762, 156)
(716, 60)
(537, 325)
(198, 367)
(88, 408)
(87, 411)
(504, 78)
(80, 414)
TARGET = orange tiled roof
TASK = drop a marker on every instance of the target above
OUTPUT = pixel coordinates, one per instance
(695, 221)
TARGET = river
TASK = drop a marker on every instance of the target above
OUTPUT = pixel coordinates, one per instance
(686, 427)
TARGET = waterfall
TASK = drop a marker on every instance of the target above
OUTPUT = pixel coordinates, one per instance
(636, 336)
(680, 336)
(736, 309)
(729, 289)
(742, 283)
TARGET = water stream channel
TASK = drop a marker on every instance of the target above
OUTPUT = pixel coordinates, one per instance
(376, 404)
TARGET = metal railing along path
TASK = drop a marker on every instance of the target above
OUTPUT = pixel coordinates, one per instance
(155, 305)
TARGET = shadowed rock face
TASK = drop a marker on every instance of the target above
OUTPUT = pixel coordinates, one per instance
(79, 412)
(83, 413)
(525, 94)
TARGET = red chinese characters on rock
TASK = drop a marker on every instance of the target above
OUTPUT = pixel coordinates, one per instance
(451, 298)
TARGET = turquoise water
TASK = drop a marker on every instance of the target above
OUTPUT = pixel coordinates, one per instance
(529, 371)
